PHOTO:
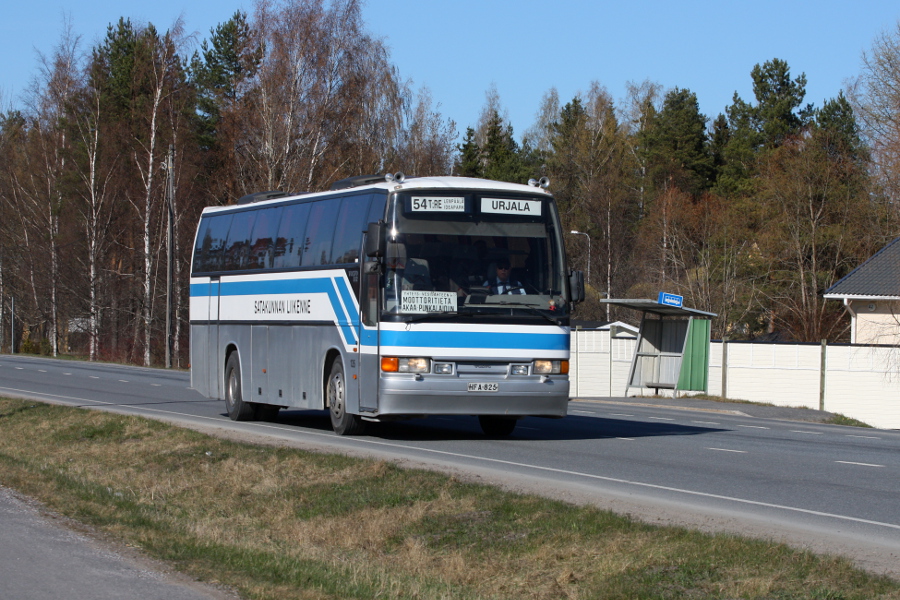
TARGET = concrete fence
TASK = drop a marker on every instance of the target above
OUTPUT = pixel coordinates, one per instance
(862, 382)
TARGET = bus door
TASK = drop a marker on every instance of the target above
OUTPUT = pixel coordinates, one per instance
(368, 336)
(215, 371)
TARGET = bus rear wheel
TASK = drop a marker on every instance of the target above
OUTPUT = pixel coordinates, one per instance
(237, 409)
(342, 422)
(496, 426)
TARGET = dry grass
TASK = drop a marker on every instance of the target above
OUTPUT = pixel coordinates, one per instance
(282, 523)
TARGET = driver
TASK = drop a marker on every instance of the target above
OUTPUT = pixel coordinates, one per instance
(501, 283)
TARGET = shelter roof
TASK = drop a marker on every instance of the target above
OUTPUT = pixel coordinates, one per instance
(652, 306)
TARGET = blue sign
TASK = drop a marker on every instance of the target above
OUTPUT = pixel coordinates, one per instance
(670, 299)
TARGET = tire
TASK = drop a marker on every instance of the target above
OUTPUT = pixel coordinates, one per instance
(237, 409)
(497, 427)
(342, 422)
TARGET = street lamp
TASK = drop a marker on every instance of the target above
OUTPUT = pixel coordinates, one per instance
(589, 253)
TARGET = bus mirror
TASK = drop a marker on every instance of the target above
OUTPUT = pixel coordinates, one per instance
(576, 286)
(375, 240)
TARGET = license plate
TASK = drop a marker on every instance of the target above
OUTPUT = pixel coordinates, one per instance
(484, 387)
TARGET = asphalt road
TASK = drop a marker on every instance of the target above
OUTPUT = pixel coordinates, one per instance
(41, 559)
(708, 465)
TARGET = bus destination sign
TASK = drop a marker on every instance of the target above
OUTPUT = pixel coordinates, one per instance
(436, 204)
(501, 206)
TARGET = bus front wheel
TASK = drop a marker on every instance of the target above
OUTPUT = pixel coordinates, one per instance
(342, 422)
(496, 426)
(237, 409)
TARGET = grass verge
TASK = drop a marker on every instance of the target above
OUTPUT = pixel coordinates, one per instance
(283, 523)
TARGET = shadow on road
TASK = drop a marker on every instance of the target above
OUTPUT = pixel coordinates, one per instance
(453, 428)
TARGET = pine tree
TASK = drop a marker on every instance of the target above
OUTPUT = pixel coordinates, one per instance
(676, 145)
(468, 164)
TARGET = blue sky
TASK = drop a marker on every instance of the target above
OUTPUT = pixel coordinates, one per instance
(460, 49)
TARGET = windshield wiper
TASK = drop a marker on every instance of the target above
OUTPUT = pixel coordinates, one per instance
(436, 316)
(530, 307)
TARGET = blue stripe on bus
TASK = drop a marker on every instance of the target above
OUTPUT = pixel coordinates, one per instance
(475, 339)
(319, 285)
(351, 324)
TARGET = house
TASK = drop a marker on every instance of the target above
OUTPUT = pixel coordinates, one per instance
(871, 293)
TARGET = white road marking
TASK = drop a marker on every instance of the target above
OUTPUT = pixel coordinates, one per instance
(123, 381)
(809, 432)
(753, 426)
(868, 437)
(662, 419)
(728, 450)
(847, 462)
(476, 458)
(41, 371)
(93, 377)
(620, 415)
(705, 422)
(20, 368)
(66, 373)
(628, 439)
(156, 384)
(583, 412)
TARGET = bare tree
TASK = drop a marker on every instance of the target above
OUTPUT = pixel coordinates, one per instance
(875, 95)
(94, 167)
(50, 99)
(426, 144)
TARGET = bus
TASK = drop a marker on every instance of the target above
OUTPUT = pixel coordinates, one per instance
(385, 298)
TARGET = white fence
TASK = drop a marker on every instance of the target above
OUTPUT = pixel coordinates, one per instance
(862, 382)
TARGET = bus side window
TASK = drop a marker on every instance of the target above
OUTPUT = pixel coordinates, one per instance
(238, 245)
(213, 243)
(376, 209)
(349, 228)
(262, 242)
(201, 246)
(288, 243)
(320, 232)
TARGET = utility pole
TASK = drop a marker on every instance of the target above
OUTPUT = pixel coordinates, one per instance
(170, 245)
(12, 324)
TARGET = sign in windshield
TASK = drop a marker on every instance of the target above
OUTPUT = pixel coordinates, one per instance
(412, 301)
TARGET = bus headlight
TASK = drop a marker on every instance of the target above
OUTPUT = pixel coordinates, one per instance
(393, 364)
(415, 365)
(519, 370)
(551, 367)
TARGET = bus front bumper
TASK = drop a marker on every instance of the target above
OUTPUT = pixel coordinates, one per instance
(406, 395)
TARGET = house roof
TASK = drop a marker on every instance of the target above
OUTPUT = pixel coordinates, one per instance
(878, 277)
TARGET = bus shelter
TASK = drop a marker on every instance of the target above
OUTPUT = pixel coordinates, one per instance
(672, 350)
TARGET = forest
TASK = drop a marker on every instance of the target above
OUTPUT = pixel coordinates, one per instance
(750, 214)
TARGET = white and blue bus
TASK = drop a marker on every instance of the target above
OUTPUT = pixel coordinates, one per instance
(385, 298)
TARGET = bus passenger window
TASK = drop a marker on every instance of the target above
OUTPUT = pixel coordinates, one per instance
(348, 231)
(319, 233)
(238, 245)
(288, 243)
(262, 244)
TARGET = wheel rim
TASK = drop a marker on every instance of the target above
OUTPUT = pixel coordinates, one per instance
(232, 386)
(336, 395)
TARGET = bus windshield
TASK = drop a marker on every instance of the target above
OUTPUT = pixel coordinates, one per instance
(467, 253)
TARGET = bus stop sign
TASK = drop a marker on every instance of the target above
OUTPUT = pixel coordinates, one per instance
(670, 299)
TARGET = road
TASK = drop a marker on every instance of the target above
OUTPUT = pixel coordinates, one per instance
(829, 488)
